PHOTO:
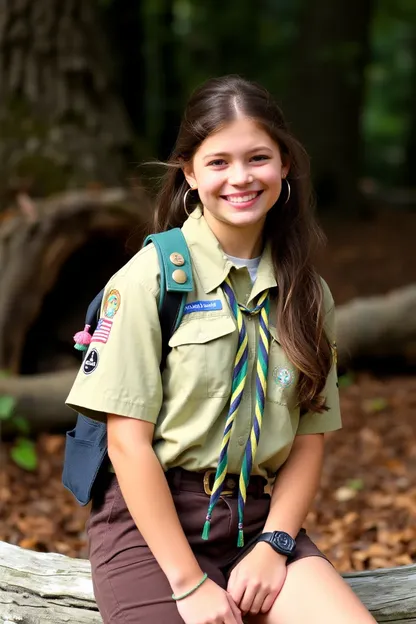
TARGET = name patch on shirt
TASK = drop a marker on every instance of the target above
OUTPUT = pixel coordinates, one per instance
(203, 306)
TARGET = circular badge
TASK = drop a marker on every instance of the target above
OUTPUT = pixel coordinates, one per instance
(283, 376)
(90, 362)
(112, 303)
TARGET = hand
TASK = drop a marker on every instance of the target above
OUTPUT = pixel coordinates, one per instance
(209, 604)
(256, 581)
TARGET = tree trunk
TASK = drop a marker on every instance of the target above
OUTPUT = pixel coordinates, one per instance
(326, 98)
(61, 124)
(56, 256)
(36, 588)
(410, 159)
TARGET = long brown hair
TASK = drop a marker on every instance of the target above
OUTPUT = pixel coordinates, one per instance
(290, 226)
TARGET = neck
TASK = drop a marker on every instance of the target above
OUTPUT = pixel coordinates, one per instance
(236, 241)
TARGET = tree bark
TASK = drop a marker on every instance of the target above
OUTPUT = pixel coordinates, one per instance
(327, 91)
(36, 588)
(60, 122)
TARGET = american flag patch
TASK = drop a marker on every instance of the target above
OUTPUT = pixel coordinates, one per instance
(102, 331)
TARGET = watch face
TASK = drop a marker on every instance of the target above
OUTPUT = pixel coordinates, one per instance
(283, 541)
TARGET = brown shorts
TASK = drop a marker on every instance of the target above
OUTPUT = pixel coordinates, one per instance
(129, 585)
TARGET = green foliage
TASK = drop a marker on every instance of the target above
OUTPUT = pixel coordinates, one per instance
(355, 484)
(7, 406)
(346, 380)
(24, 455)
(389, 105)
(23, 451)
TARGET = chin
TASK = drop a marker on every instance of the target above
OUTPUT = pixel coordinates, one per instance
(245, 219)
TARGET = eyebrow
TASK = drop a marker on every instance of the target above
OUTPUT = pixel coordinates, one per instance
(255, 149)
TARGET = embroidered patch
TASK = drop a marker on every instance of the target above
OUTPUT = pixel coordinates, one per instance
(203, 306)
(112, 303)
(283, 376)
(90, 362)
(102, 330)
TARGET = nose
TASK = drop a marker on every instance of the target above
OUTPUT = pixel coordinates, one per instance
(239, 176)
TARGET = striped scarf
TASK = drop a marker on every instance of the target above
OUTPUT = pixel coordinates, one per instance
(238, 383)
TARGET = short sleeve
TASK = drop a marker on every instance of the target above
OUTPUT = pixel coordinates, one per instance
(120, 373)
(329, 420)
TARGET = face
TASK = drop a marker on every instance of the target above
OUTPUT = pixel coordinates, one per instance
(238, 172)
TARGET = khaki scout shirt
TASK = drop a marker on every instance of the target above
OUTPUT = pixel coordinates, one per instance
(189, 402)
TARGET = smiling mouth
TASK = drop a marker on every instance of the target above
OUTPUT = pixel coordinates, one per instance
(242, 199)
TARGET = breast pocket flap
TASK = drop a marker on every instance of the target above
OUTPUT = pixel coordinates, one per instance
(200, 331)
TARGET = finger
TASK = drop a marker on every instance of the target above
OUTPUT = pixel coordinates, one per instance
(258, 602)
(235, 612)
(268, 602)
(236, 589)
(247, 599)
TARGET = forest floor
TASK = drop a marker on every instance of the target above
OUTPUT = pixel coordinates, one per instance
(364, 516)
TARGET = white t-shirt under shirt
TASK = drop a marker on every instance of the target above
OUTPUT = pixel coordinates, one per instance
(252, 265)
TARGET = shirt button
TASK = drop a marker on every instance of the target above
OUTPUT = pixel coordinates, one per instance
(251, 354)
(241, 441)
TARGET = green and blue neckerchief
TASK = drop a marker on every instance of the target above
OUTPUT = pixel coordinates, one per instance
(238, 383)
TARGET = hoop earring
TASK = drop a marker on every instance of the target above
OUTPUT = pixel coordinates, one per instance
(288, 190)
(184, 199)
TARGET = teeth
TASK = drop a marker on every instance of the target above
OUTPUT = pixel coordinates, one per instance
(242, 198)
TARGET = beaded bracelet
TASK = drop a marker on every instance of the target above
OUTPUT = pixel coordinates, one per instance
(191, 591)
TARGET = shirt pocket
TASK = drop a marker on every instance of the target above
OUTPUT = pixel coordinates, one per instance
(202, 355)
(282, 376)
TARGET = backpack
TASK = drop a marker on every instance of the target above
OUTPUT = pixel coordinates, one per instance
(86, 457)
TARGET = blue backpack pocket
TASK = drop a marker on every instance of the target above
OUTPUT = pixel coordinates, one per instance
(85, 452)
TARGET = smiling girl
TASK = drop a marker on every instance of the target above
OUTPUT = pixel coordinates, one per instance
(187, 530)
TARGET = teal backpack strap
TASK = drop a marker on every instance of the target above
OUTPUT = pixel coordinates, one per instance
(175, 264)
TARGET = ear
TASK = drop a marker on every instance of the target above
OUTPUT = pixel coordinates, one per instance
(285, 167)
(189, 175)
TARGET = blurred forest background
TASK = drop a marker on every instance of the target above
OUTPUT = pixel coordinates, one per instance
(89, 91)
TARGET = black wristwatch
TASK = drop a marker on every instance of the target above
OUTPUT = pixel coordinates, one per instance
(281, 542)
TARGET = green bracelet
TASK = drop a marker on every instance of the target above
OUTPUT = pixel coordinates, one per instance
(191, 591)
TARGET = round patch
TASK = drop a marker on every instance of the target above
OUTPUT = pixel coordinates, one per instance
(283, 376)
(112, 303)
(90, 362)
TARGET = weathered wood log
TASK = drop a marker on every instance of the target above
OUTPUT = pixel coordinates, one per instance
(381, 326)
(43, 300)
(40, 399)
(36, 588)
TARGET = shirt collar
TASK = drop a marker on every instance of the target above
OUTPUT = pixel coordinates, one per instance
(210, 261)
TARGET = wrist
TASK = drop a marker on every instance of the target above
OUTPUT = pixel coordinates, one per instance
(267, 551)
(182, 580)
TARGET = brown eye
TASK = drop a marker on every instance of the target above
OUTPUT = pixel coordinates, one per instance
(260, 157)
(216, 163)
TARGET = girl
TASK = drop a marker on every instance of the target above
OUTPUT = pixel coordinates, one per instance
(185, 530)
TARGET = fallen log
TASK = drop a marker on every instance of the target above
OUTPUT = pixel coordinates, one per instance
(381, 326)
(36, 588)
(41, 400)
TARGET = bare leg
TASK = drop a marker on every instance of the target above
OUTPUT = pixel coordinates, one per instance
(315, 593)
